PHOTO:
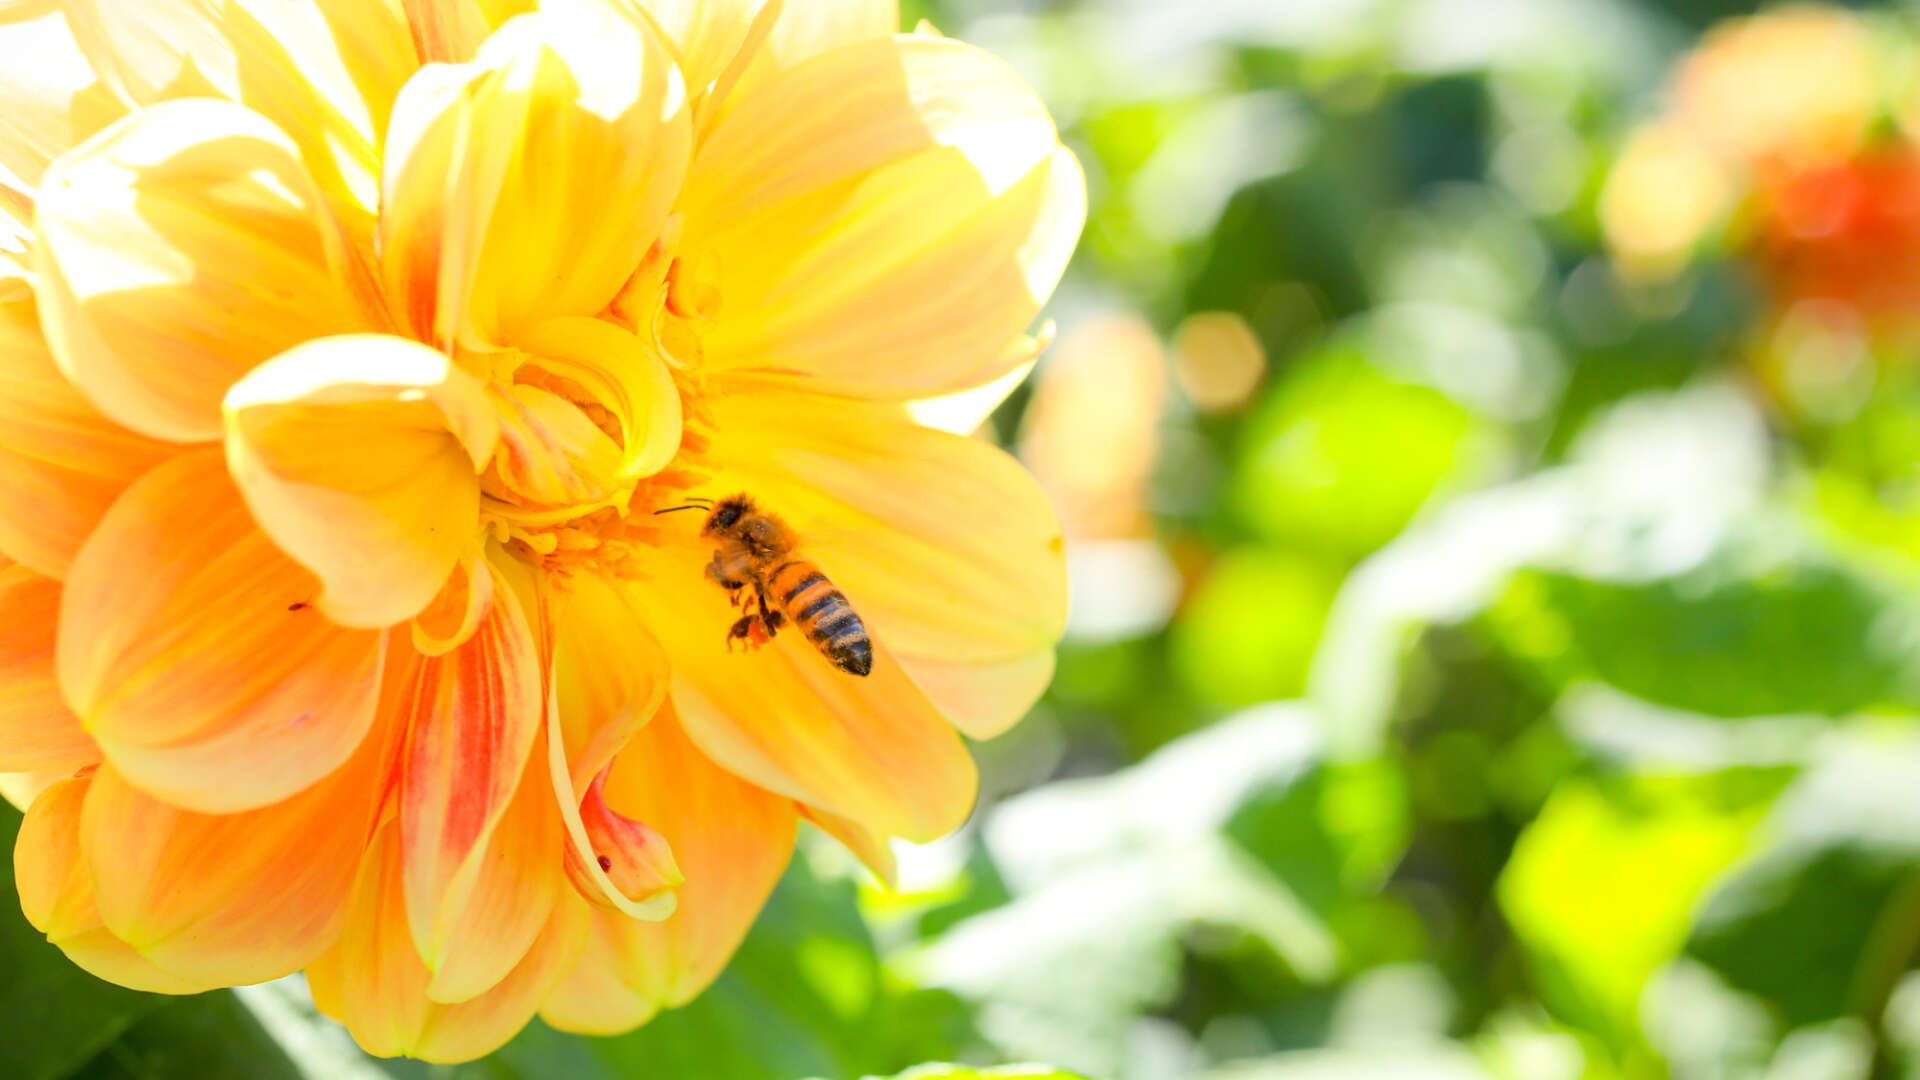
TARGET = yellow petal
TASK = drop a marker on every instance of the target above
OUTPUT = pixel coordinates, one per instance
(887, 218)
(581, 110)
(56, 894)
(454, 616)
(61, 463)
(870, 748)
(610, 675)
(946, 546)
(983, 699)
(233, 898)
(731, 840)
(189, 648)
(177, 249)
(358, 455)
(714, 40)
(473, 717)
(805, 30)
(551, 453)
(374, 983)
(612, 369)
(37, 730)
(53, 102)
(324, 73)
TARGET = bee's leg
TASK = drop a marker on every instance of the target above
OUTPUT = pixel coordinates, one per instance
(769, 615)
(742, 631)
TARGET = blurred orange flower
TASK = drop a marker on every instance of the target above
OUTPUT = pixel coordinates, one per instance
(355, 346)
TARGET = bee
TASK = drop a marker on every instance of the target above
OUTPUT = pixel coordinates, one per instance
(755, 549)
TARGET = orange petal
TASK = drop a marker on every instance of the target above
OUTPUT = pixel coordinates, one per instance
(946, 546)
(54, 102)
(374, 983)
(511, 898)
(451, 31)
(37, 730)
(56, 894)
(189, 649)
(233, 898)
(594, 999)
(870, 748)
(582, 110)
(326, 73)
(610, 675)
(731, 839)
(886, 217)
(869, 847)
(359, 456)
(473, 715)
(177, 249)
(632, 854)
(61, 463)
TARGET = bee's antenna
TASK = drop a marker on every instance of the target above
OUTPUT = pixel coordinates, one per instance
(677, 509)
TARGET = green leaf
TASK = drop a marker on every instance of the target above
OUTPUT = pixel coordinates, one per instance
(1803, 637)
(204, 1037)
(1823, 922)
(1602, 885)
(54, 1017)
(1003, 1073)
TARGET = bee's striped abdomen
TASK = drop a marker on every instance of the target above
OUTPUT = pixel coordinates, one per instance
(822, 612)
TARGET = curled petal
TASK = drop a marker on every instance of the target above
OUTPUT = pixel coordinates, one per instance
(551, 453)
(731, 840)
(233, 898)
(374, 983)
(636, 858)
(610, 368)
(176, 250)
(37, 730)
(53, 103)
(473, 717)
(359, 456)
(581, 109)
(189, 649)
(61, 462)
(56, 894)
(455, 614)
(890, 215)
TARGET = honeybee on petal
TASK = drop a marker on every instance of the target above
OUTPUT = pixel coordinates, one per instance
(754, 549)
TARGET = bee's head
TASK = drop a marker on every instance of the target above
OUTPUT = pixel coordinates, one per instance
(727, 513)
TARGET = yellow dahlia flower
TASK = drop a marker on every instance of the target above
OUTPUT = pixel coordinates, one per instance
(351, 347)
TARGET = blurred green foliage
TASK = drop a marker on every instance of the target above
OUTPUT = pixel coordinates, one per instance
(1534, 697)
